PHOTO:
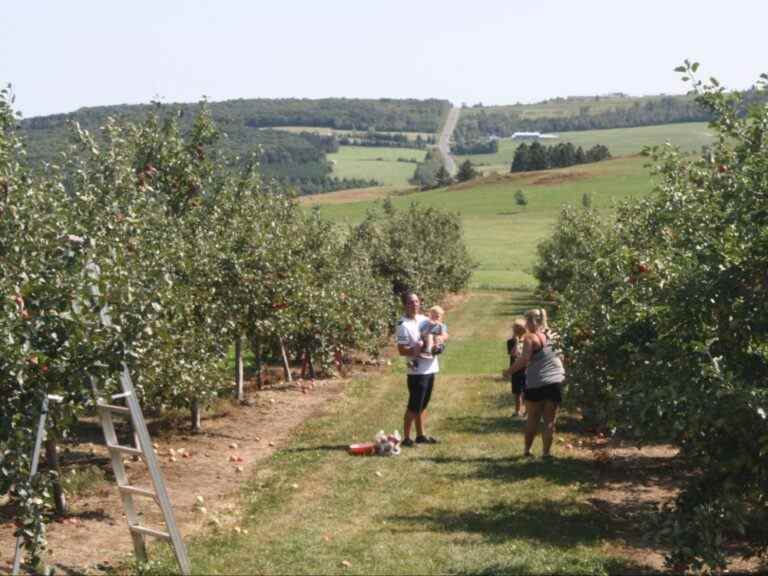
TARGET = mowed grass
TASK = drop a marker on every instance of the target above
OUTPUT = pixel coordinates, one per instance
(469, 505)
(690, 137)
(502, 236)
(379, 163)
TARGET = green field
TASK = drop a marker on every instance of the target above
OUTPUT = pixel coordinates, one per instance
(620, 141)
(501, 235)
(379, 163)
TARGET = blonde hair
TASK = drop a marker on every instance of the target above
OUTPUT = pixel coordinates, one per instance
(437, 310)
(537, 317)
(518, 327)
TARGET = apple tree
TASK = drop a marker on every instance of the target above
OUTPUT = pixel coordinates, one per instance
(665, 329)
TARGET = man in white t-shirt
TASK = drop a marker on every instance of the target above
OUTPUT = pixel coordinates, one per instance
(421, 373)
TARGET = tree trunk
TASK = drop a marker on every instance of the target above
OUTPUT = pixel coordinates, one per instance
(311, 366)
(239, 388)
(304, 364)
(339, 361)
(257, 364)
(52, 457)
(286, 366)
(196, 422)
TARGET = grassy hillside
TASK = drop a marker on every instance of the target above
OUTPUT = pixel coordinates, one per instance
(501, 235)
(572, 106)
(390, 166)
(565, 115)
(689, 136)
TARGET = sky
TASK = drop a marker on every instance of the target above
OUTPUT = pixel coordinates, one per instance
(63, 55)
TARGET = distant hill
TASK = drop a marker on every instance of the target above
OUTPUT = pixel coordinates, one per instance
(581, 113)
(298, 158)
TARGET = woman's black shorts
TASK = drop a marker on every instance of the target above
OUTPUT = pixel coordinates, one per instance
(419, 391)
(551, 392)
(518, 382)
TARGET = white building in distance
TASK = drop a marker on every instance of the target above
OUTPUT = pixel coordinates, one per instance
(532, 136)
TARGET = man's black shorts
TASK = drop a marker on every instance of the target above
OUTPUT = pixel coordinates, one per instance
(419, 391)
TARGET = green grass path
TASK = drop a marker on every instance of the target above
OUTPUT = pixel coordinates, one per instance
(469, 505)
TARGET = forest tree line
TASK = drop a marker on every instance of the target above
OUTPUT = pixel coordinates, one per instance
(484, 122)
(298, 159)
(485, 146)
(536, 156)
(386, 139)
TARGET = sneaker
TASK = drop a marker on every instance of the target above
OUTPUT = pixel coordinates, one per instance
(426, 440)
(408, 443)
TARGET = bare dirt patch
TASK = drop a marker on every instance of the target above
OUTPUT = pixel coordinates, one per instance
(555, 178)
(213, 465)
(633, 482)
(538, 178)
(352, 195)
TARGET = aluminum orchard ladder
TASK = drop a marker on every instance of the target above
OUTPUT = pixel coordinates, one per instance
(39, 437)
(144, 449)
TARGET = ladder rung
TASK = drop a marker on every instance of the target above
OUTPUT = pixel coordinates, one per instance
(137, 491)
(120, 395)
(150, 532)
(113, 408)
(125, 449)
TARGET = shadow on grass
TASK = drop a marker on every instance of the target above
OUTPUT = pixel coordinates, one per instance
(561, 471)
(518, 304)
(610, 565)
(547, 522)
(644, 472)
(507, 424)
(544, 521)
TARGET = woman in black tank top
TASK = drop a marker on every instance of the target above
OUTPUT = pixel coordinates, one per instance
(544, 377)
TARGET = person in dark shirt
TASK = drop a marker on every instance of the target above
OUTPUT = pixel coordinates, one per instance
(517, 379)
